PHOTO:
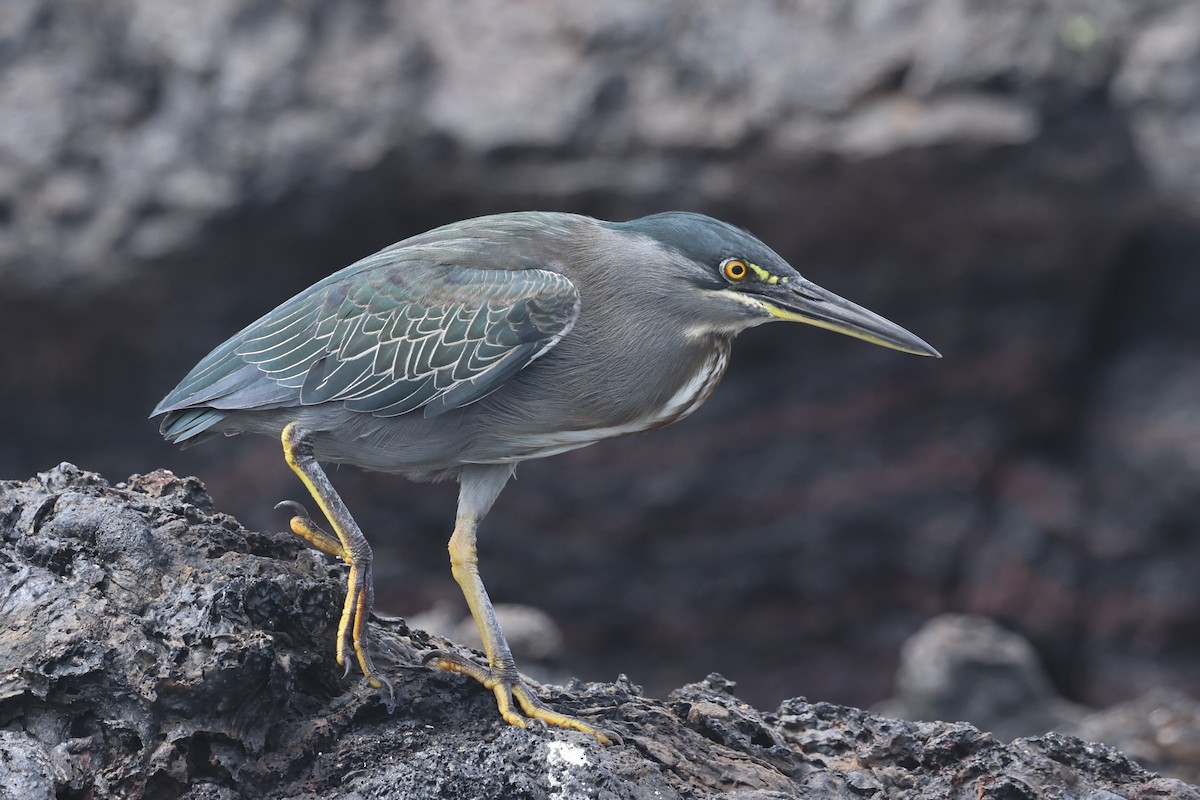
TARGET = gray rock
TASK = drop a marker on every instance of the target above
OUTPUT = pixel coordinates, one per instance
(960, 667)
(212, 677)
(1158, 86)
(133, 126)
(27, 768)
(1161, 729)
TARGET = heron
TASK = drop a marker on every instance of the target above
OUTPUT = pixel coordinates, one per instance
(462, 351)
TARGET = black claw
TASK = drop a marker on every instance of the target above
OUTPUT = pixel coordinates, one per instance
(296, 509)
(614, 738)
(431, 655)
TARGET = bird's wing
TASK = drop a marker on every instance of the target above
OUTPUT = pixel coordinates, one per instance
(397, 332)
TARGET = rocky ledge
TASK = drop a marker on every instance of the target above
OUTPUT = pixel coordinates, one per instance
(150, 646)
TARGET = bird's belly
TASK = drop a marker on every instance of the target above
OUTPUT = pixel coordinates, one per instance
(686, 399)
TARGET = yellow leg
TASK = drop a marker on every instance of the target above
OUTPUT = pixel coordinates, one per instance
(348, 543)
(500, 675)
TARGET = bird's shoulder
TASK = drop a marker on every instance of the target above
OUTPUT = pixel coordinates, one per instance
(515, 241)
(486, 262)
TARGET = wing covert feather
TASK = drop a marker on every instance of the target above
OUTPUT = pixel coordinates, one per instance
(407, 334)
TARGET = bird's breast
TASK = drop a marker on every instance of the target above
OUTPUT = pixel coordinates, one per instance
(687, 396)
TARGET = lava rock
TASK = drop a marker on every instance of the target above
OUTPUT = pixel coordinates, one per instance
(211, 675)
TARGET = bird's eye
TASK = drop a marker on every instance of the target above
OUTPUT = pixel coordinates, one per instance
(734, 269)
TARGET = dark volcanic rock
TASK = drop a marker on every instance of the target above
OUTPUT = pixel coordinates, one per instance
(962, 667)
(1161, 730)
(152, 647)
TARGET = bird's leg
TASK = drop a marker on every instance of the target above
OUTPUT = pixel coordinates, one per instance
(500, 675)
(349, 544)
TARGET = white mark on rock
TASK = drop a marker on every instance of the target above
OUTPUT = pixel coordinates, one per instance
(562, 758)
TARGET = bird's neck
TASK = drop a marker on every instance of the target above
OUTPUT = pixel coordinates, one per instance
(706, 372)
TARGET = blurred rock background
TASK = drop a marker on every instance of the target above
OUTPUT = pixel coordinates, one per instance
(1018, 183)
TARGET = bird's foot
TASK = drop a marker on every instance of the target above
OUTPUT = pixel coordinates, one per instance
(508, 686)
(356, 609)
(352, 628)
(303, 526)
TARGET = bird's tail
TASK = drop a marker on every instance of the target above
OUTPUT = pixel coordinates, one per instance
(185, 425)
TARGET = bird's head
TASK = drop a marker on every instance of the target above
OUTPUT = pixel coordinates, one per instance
(731, 281)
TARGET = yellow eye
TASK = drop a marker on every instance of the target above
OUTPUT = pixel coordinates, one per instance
(734, 269)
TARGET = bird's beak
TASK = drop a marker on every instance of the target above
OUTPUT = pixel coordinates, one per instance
(800, 300)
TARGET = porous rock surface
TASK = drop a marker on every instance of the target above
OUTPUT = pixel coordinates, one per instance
(152, 647)
(967, 667)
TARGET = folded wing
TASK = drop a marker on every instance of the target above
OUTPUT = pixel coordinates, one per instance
(394, 333)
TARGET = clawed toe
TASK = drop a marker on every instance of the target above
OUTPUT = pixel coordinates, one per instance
(453, 662)
(508, 686)
(303, 526)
